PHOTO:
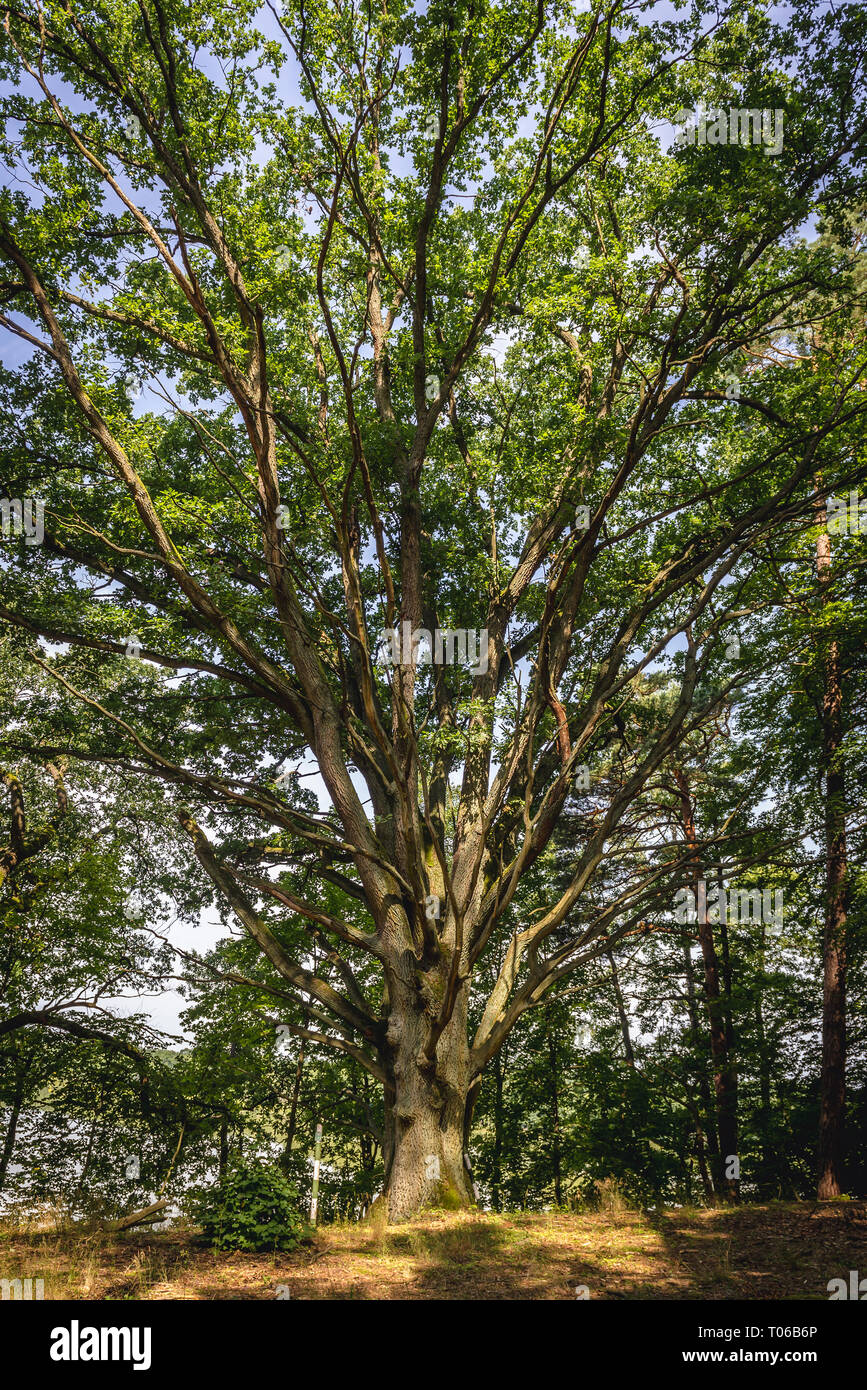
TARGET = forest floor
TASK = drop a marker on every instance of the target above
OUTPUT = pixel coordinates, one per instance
(780, 1250)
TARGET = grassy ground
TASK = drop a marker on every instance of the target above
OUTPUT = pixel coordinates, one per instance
(784, 1250)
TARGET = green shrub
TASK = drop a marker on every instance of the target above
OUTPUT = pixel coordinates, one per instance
(252, 1208)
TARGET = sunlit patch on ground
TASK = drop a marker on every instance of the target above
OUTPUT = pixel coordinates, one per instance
(784, 1250)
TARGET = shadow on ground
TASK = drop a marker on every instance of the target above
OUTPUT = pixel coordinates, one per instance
(777, 1251)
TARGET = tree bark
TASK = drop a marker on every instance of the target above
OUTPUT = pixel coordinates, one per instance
(12, 1127)
(764, 1115)
(700, 1148)
(728, 1118)
(628, 1050)
(425, 1111)
(724, 1076)
(832, 1091)
(556, 1154)
(145, 1216)
(224, 1133)
(296, 1091)
(497, 1166)
(706, 1139)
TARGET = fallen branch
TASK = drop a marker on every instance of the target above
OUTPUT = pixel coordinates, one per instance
(139, 1218)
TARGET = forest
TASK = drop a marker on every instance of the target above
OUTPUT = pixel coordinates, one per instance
(433, 648)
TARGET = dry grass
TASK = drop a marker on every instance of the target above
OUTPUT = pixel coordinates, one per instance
(784, 1250)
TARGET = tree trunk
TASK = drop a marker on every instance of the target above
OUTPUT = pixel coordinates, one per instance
(425, 1110)
(699, 1148)
(706, 1139)
(832, 1102)
(628, 1049)
(224, 1149)
(366, 1140)
(704, 1171)
(145, 1216)
(724, 1076)
(296, 1092)
(497, 1165)
(726, 1114)
(12, 1128)
(728, 1119)
(556, 1156)
(224, 1133)
(764, 1114)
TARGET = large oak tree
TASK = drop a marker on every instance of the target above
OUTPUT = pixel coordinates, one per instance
(364, 318)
